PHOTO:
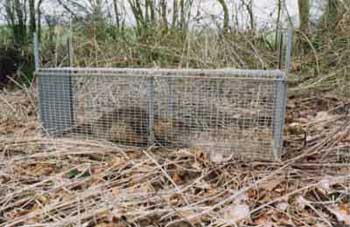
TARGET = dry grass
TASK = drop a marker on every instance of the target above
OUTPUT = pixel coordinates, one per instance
(45, 182)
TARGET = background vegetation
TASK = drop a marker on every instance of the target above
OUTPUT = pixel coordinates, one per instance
(162, 33)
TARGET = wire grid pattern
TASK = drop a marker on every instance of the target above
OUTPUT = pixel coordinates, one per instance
(235, 112)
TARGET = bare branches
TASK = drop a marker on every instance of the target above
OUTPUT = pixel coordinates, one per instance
(226, 15)
(73, 7)
(116, 12)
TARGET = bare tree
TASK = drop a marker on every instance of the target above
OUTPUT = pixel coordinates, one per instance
(77, 8)
(15, 14)
(139, 16)
(248, 4)
(116, 12)
(97, 10)
(175, 13)
(226, 15)
(304, 10)
(182, 14)
(163, 12)
(278, 22)
(32, 20)
(38, 10)
(150, 11)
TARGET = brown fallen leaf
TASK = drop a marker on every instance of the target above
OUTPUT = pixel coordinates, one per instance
(271, 184)
(177, 179)
(263, 220)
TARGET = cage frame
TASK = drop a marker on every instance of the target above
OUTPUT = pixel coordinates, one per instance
(65, 75)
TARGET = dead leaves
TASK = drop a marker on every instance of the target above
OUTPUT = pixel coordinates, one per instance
(235, 213)
(341, 213)
(46, 182)
(36, 169)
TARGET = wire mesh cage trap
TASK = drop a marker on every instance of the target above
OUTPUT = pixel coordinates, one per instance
(237, 112)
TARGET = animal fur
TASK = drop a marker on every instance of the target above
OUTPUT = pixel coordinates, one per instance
(131, 126)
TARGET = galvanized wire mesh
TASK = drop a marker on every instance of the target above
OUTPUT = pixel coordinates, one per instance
(238, 112)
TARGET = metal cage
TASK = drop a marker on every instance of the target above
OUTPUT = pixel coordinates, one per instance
(237, 112)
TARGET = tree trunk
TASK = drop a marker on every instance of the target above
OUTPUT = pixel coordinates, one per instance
(278, 23)
(16, 19)
(182, 15)
(226, 15)
(150, 11)
(39, 19)
(116, 11)
(175, 14)
(304, 11)
(22, 33)
(163, 10)
(249, 7)
(138, 14)
(32, 20)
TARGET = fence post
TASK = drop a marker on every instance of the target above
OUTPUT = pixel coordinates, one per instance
(36, 51)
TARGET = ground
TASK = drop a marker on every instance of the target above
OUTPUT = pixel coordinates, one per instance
(45, 182)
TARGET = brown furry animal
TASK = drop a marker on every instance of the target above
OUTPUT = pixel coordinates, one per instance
(131, 126)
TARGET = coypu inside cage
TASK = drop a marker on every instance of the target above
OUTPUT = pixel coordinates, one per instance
(238, 112)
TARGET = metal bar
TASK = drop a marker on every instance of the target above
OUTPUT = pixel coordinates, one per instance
(170, 99)
(41, 106)
(70, 47)
(280, 53)
(70, 51)
(146, 74)
(36, 51)
(151, 138)
(164, 72)
(280, 109)
(71, 64)
(288, 55)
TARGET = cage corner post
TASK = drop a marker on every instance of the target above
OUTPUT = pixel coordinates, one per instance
(70, 82)
(70, 45)
(281, 94)
(280, 109)
(36, 50)
(289, 49)
(151, 93)
(41, 85)
(282, 87)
